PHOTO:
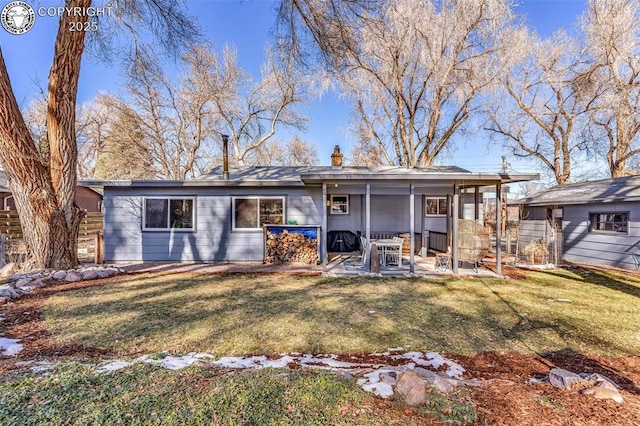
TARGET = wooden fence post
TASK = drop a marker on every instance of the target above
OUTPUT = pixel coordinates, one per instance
(2, 241)
(99, 255)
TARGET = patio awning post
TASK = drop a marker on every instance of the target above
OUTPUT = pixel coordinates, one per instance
(454, 227)
(323, 243)
(367, 222)
(499, 228)
(412, 227)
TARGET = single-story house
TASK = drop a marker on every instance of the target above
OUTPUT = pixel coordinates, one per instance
(220, 216)
(594, 222)
(88, 198)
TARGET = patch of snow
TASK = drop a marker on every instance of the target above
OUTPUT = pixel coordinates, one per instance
(370, 374)
(114, 366)
(380, 389)
(10, 347)
(1, 318)
(435, 360)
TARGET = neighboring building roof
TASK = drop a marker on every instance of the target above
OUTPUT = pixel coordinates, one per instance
(600, 191)
(4, 184)
(301, 175)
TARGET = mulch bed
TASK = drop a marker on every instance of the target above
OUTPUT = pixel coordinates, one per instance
(505, 398)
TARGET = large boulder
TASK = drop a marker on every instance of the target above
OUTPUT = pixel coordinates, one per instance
(412, 387)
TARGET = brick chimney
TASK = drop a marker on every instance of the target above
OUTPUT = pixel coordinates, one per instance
(336, 157)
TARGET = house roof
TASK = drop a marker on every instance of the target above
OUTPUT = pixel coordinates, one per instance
(600, 191)
(303, 175)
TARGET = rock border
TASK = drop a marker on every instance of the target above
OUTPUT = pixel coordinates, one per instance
(17, 285)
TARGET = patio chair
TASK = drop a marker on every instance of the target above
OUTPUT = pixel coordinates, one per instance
(363, 250)
(393, 254)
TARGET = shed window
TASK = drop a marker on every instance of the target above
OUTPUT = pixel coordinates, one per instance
(435, 206)
(609, 222)
(253, 212)
(168, 213)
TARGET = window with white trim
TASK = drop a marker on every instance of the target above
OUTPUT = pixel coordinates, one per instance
(435, 206)
(609, 222)
(339, 204)
(253, 212)
(169, 213)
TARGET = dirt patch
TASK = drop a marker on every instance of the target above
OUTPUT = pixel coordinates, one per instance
(506, 397)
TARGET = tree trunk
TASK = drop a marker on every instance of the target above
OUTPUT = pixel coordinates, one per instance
(45, 192)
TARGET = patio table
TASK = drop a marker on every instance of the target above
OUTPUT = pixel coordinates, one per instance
(386, 245)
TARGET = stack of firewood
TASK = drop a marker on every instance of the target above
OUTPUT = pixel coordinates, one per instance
(290, 247)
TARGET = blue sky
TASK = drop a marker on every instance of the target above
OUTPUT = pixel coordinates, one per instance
(247, 24)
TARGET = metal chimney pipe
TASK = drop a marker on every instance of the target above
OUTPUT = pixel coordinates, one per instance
(225, 157)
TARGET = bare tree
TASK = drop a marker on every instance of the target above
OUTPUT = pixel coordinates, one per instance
(612, 37)
(44, 186)
(177, 120)
(123, 152)
(251, 111)
(367, 152)
(413, 69)
(538, 110)
(295, 152)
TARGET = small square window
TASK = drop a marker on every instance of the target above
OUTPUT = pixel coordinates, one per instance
(339, 204)
(435, 206)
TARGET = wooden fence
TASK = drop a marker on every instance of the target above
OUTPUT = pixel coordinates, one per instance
(11, 229)
(89, 238)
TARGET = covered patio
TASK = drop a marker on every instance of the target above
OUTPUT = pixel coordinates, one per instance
(423, 204)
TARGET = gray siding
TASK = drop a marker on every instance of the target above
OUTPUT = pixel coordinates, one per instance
(610, 249)
(211, 240)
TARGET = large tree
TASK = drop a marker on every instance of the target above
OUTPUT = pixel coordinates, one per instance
(44, 185)
(612, 40)
(413, 69)
(540, 109)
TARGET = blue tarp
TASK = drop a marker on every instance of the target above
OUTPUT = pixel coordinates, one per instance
(309, 232)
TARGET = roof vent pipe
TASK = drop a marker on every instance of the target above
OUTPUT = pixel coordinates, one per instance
(225, 157)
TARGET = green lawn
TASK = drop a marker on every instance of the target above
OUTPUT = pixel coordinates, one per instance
(589, 311)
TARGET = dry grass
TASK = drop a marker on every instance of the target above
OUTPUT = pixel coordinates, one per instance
(589, 311)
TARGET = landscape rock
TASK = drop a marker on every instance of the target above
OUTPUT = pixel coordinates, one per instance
(60, 275)
(103, 273)
(38, 283)
(427, 374)
(595, 378)
(412, 387)
(8, 269)
(389, 378)
(564, 379)
(22, 282)
(72, 277)
(89, 275)
(604, 392)
(443, 384)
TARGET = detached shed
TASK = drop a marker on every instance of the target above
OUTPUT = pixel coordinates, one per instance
(594, 222)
